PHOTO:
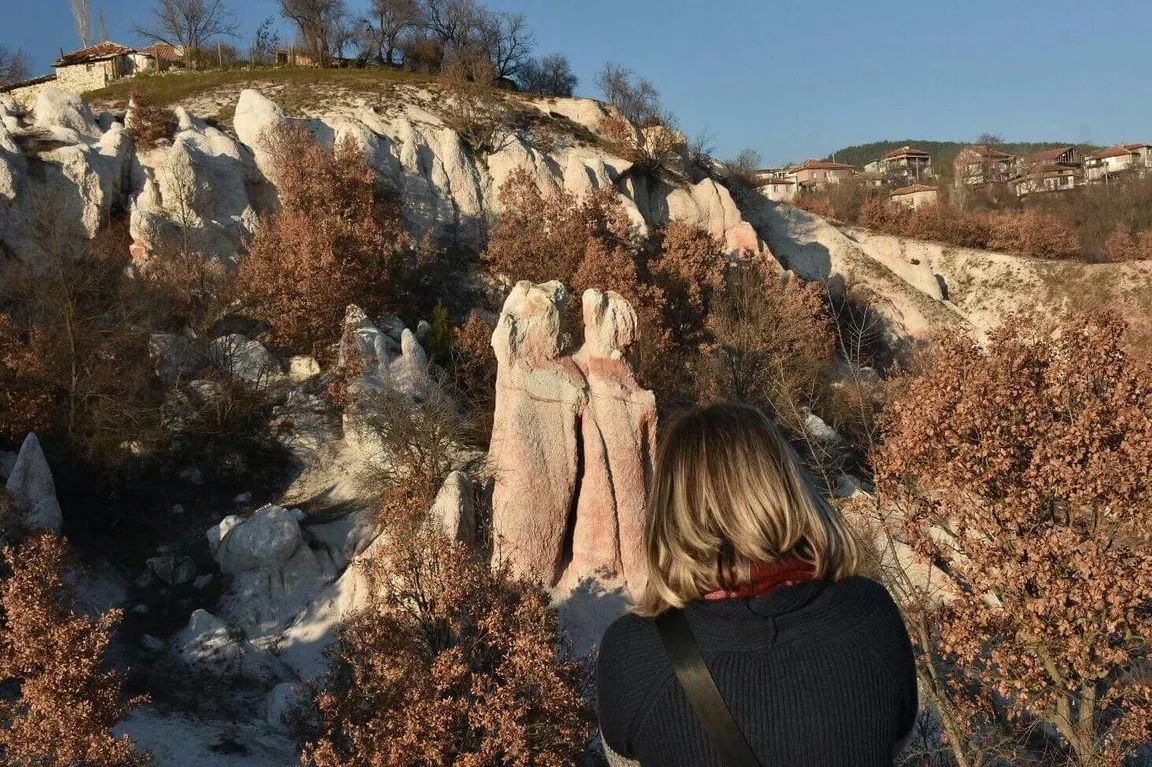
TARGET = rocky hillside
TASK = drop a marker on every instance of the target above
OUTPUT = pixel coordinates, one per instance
(62, 164)
(213, 183)
(924, 286)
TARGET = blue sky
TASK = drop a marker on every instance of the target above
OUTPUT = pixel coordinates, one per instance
(800, 78)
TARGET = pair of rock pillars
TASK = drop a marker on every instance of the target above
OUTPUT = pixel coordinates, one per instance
(572, 441)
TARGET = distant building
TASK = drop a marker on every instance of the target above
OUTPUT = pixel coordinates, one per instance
(25, 93)
(1053, 170)
(1117, 161)
(775, 187)
(981, 165)
(820, 172)
(164, 55)
(91, 68)
(905, 165)
(915, 196)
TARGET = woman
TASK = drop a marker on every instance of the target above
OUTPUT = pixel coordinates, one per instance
(811, 660)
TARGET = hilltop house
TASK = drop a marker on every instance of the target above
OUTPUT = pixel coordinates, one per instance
(981, 165)
(816, 173)
(1105, 165)
(775, 187)
(904, 165)
(95, 66)
(915, 196)
(1053, 170)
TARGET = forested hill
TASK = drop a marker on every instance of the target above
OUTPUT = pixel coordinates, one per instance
(943, 152)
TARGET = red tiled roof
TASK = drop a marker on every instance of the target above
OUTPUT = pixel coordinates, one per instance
(161, 52)
(905, 151)
(1138, 145)
(1049, 154)
(824, 165)
(986, 151)
(913, 189)
(1112, 151)
(105, 50)
(27, 83)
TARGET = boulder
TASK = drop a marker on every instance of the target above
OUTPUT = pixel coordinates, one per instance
(59, 111)
(280, 701)
(175, 356)
(453, 513)
(535, 435)
(618, 438)
(246, 359)
(818, 430)
(256, 114)
(268, 538)
(302, 368)
(30, 483)
(211, 644)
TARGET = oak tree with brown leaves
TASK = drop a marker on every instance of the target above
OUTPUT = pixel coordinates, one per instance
(337, 240)
(1021, 470)
(453, 664)
(68, 699)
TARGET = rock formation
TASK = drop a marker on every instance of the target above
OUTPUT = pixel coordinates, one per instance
(206, 187)
(618, 433)
(30, 483)
(572, 440)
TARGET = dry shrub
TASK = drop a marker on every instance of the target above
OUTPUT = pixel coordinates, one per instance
(187, 289)
(1022, 470)
(151, 124)
(473, 367)
(1033, 233)
(544, 237)
(26, 404)
(452, 664)
(77, 333)
(470, 106)
(420, 441)
(68, 700)
(337, 240)
(814, 204)
(1127, 245)
(774, 342)
(473, 362)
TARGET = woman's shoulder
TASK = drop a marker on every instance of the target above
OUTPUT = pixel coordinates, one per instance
(630, 672)
(628, 635)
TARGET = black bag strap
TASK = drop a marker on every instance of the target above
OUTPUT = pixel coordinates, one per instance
(702, 692)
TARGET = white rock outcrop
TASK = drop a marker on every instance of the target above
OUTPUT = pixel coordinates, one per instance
(30, 483)
(245, 358)
(453, 513)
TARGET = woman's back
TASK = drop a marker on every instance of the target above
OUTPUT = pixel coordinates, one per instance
(820, 673)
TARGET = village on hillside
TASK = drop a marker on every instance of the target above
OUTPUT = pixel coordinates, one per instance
(908, 177)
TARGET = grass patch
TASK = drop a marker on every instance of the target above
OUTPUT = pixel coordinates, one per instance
(172, 88)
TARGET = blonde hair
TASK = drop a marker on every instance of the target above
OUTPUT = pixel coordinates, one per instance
(727, 494)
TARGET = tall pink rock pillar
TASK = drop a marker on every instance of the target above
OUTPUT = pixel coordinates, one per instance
(535, 450)
(619, 436)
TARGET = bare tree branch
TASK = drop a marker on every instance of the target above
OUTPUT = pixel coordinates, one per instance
(189, 23)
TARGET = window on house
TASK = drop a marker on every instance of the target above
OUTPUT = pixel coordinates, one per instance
(90, 66)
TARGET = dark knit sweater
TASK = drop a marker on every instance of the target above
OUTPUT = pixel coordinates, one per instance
(817, 674)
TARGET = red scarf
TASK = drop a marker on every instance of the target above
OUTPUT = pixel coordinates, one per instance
(767, 576)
